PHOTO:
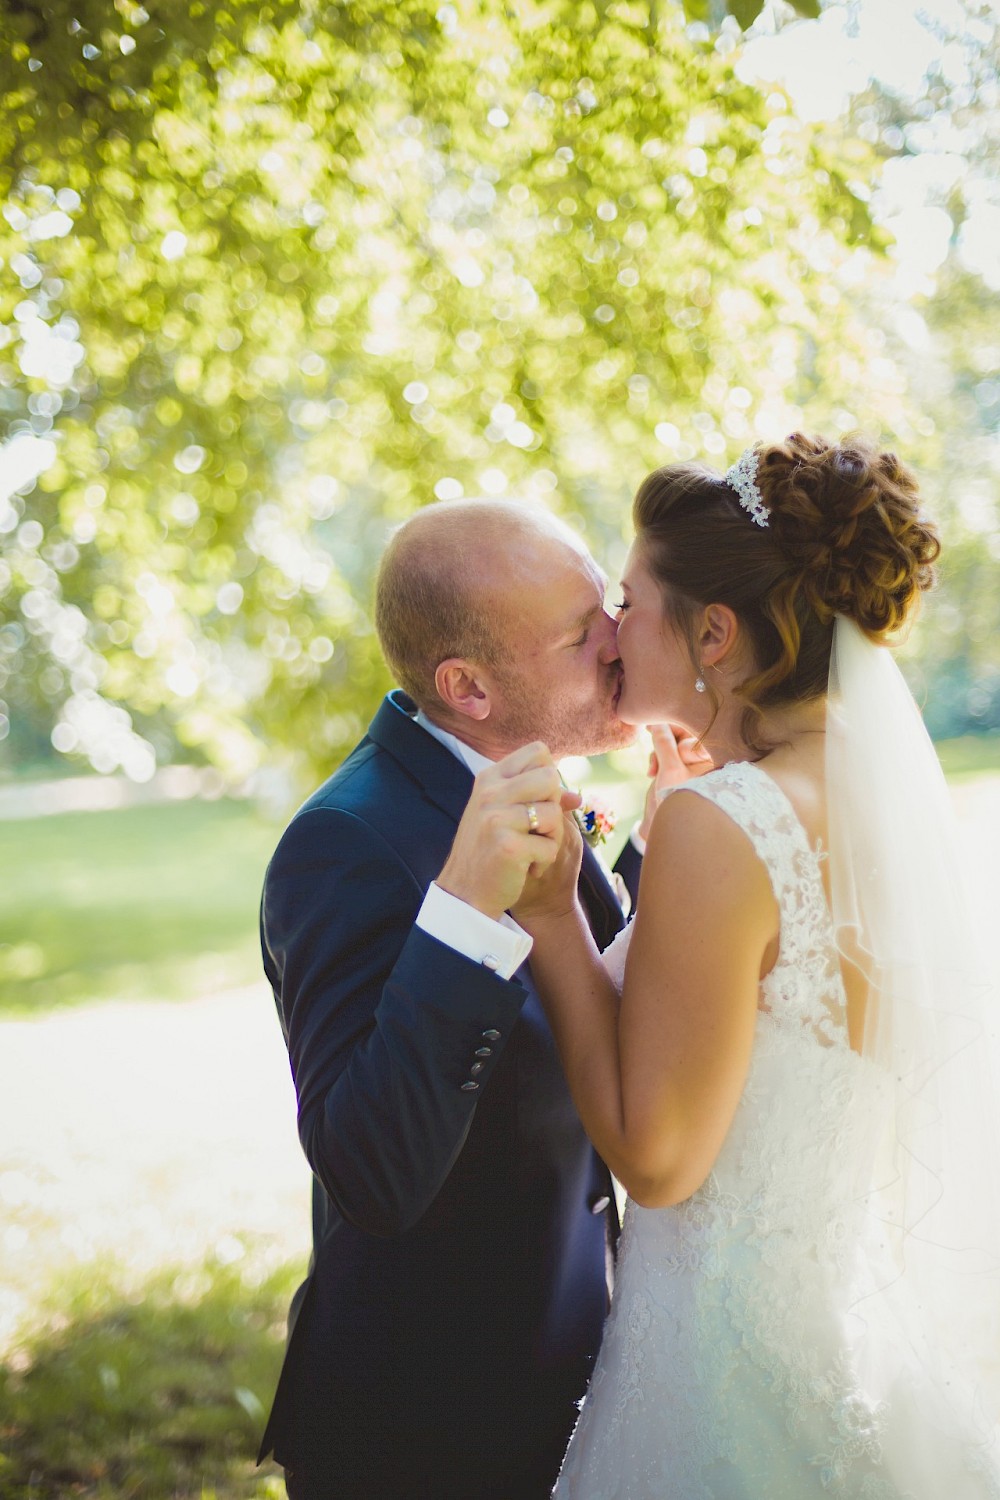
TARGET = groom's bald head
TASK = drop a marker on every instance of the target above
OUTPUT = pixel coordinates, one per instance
(491, 615)
(451, 583)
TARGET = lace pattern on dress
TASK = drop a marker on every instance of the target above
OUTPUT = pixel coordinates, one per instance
(805, 984)
(730, 1357)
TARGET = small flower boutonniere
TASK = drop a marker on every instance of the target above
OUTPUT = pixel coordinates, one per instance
(595, 821)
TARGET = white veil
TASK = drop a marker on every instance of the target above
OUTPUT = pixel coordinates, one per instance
(925, 1015)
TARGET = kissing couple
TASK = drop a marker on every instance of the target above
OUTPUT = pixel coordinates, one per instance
(783, 1057)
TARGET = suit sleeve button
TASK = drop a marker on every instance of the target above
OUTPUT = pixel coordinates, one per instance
(469, 1086)
(491, 1035)
(484, 1051)
(476, 1068)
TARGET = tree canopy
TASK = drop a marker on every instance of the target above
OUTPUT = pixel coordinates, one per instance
(277, 275)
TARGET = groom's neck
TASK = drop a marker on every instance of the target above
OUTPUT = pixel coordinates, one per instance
(472, 733)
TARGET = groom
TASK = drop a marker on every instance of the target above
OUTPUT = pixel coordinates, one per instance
(457, 1286)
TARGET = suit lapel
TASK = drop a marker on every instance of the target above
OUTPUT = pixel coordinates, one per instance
(600, 899)
(444, 778)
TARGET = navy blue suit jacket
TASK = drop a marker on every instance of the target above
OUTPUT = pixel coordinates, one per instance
(457, 1287)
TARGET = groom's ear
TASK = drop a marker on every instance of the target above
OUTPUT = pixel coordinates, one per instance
(463, 689)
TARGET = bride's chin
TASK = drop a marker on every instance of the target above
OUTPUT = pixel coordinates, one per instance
(629, 714)
(625, 717)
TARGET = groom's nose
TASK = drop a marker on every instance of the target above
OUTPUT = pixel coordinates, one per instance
(608, 649)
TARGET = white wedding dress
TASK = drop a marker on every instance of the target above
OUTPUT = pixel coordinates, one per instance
(734, 1356)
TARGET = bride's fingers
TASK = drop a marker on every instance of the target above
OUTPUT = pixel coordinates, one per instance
(677, 755)
(545, 852)
(664, 735)
(563, 851)
(689, 748)
(665, 749)
(693, 753)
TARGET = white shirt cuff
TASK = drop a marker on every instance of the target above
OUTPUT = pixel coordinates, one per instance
(638, 842)
(502, 946)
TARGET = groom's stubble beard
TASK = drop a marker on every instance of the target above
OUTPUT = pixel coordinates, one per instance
(566, 726)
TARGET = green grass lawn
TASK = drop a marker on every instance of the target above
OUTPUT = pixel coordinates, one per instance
(160, 902)
(157, 1389)
(155, 902)
(120, 1387)
(150, 1393)
(971, 755)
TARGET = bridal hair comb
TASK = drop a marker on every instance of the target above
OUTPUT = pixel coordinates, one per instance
(742, 477)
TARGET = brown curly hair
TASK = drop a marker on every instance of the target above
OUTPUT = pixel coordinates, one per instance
(845, 535)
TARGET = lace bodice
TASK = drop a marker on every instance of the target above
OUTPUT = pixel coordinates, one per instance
(804, 988)
(729, 1365)
(804, 1086)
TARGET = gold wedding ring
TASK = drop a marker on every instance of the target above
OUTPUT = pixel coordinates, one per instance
(532, 812)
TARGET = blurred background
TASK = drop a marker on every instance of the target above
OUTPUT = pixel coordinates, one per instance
(271, 277)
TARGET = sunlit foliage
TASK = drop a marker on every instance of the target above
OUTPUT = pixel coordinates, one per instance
(275, 276)
(945, 335)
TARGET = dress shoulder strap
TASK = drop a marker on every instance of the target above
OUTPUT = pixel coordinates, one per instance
(805, 985)
(758, 806)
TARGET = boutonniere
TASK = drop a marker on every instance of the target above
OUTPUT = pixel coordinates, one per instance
(595, 821)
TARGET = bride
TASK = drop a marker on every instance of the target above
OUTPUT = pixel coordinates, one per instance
(785, 1058)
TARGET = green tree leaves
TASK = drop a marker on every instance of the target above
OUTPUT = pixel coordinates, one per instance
(282, 274)
(743, 11)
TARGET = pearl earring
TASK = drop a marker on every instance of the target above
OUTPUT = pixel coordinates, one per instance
(699, 684)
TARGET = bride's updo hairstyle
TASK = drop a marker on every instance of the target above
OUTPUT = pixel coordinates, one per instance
(845, 535)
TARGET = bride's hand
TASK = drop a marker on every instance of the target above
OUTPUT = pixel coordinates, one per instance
(675, 758)
(550, 890)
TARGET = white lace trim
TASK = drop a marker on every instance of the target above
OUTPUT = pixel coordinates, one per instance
(730, 1357)
(805, 985)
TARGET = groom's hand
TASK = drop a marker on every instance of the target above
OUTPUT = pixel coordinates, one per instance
(512, 825)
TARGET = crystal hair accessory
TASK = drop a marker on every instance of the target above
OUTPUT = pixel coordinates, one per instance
(742, 477)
